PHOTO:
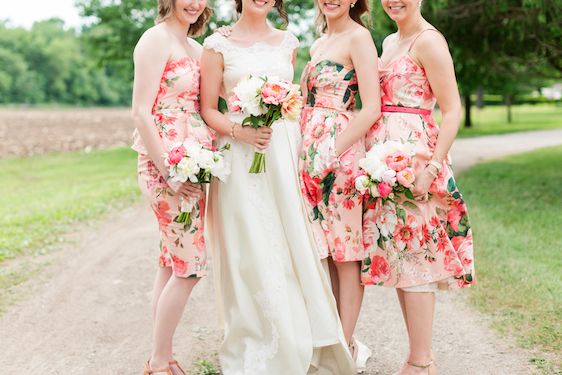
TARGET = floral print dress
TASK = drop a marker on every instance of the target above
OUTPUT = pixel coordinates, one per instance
(412, 243)
(328, 184)
(176, 116)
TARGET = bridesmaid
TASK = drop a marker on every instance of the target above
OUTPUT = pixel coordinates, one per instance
(166, 111)
(343, 62)
(422, 245)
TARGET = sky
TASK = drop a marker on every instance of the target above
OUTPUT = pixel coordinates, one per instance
(25, 12)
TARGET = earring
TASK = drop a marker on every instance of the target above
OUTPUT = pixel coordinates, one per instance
(353, 5)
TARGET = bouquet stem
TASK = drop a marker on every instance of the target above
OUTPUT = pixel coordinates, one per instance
(187, 206)
(258, 164)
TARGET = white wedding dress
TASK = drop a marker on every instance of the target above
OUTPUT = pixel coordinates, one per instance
(275, 300)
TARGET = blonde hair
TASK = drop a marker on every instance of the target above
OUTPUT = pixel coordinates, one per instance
(166, 10)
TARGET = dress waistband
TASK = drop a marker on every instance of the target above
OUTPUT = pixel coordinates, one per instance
(328, 107)
(415, 111)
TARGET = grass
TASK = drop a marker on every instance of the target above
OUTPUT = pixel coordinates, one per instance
(493, 119)
(41, 196)
(516, 205)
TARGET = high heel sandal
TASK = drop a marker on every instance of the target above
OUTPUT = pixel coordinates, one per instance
(175, 363)
(360, 354)
(427, 366)
(149, 370)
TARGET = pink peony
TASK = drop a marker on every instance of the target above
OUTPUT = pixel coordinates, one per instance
(274, 92)
(175, 155)
(398, 161)
(406, 177)
(234, 103)
(384, 189)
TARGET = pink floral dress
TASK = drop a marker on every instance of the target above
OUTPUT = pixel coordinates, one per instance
(176, 116)
(328, 184)
(413, 243)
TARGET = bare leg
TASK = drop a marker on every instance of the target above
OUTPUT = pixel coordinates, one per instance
(420, 308)
(334, 280)
(170, 307)
(162, 276)
(351, 295)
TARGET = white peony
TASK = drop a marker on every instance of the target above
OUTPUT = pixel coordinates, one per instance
(187, 169)
(362, 183)
(389, 176)
(220, 169)
(206, 158)
(248, 91)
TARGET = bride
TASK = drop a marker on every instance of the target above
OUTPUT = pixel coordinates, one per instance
(275, 300)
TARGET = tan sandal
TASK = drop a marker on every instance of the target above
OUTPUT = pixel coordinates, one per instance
(149, 370)
(175, 363)
(426, 366)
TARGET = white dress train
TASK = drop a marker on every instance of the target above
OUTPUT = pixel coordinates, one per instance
(275, 300)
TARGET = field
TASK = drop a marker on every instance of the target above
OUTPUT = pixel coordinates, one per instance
(515, 206)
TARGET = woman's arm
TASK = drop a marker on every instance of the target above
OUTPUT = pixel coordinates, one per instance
(211, 82)
(433, 54)
(365, 61)
(150, 57)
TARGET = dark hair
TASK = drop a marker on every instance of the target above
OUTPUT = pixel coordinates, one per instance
(278, 5)
(356, 13)
(166, 9)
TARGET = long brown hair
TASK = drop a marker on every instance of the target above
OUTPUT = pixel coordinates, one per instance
(278, 5)
(166, 10)
(356, 13)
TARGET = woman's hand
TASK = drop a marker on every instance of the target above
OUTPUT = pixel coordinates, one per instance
(423, 182)
(190, 190)
(224, 31)
(259, 138)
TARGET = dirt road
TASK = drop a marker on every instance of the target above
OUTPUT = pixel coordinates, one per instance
(88, 312)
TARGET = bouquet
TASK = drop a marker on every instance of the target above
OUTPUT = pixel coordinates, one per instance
(189, 161)
(264, 101)
(387, 171)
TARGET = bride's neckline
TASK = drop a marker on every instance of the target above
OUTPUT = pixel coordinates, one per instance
(259, 42)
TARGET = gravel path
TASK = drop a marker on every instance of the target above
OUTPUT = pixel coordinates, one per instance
(88, 311)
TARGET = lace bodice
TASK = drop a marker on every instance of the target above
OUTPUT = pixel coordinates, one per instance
(259, 59)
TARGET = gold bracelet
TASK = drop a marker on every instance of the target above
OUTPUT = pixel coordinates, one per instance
(232, 135)
(436, 164)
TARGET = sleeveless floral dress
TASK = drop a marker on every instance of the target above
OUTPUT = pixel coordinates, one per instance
(415, 243)
(328, 184)
(176, 116)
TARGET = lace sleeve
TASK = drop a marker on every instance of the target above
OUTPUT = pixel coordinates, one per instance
(291, 42)
(217, 43)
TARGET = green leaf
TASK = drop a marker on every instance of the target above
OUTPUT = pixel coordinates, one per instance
(451, 186)
(408, 193)
(327, 184)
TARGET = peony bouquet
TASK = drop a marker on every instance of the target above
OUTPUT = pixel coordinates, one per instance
(264, 101)
(387, 171)
(189, 161)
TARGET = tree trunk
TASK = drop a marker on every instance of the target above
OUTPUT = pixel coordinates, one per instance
(480, 97)
(508, 101)
(467, 111)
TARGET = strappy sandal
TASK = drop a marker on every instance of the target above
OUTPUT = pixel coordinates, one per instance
(426, 366)
(149, 370)
(175, 363)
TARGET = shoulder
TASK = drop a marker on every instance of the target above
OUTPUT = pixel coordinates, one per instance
(155, 40)
(290, 40)
(195, 45)
(389, 39)
(316, 43)
(216, 42)
(430, 44)
(361, 37)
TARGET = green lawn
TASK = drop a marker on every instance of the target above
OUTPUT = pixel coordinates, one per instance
(493, 119)
(40, 196)
(516, 209)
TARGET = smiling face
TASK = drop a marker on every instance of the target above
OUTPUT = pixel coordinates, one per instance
(334, 9)
(256, 7)
(399, 10)
(187, 12)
